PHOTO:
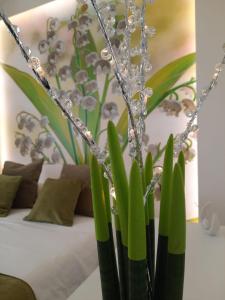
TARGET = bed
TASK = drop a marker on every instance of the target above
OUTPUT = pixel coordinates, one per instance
(52, 260)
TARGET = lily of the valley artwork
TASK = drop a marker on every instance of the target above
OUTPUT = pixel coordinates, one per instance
(69, 44)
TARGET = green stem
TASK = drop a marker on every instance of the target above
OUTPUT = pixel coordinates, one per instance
(75, 158)
(185, 84)
(102, 101)
(83, 94)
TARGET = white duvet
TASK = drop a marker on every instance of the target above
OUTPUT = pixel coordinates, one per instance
(52, 259)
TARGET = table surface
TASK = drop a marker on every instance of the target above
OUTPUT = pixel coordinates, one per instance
(204, 275)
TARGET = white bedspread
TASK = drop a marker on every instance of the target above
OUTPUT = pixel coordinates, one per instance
(52, 259)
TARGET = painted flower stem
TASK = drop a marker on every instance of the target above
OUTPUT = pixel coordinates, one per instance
(45, 131)
(75, 158)
(102, 101)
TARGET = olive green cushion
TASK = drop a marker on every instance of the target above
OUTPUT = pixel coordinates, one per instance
(56, 202)
(8, 188)
(82, 173)
(27, 192)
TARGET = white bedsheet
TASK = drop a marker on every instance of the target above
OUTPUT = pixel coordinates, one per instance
(52, 259)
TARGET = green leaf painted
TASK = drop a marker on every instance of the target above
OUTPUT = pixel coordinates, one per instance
(160, 82)
(43, 103)
(136, 216)
(101, 223)
(119, 179)
(177, 220)
(166, 188)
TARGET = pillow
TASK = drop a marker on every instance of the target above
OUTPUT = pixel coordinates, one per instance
(27, 192)
(56, 202)
(82, 173)
(8, 188)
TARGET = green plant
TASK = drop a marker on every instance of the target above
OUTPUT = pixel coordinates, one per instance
(134, 224)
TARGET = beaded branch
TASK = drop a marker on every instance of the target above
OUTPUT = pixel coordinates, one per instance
(131, 79)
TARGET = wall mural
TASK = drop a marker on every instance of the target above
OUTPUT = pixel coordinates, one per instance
(69, 44)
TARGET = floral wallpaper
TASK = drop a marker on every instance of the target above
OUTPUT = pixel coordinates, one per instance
(69, 43)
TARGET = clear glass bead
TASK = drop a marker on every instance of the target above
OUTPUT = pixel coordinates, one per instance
(16, 29)
(105, 54)
(34, 63)
(150, 31)
(194, 128)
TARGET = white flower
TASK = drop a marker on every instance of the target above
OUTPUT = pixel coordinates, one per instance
(91, 86)
(30, 125)
(88, 103)
(49, 140)
(91, 59)
(60, 47)
(81, 76)
(44, 121)
(110, 111)
(18, 141)
(55, 156)
(75, 96)
(43, 46)
(22, 122)
(102, 66)
(54, 24)
(65, 73)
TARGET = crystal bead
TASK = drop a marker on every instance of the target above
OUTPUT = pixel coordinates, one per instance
(194, 128)
(147, 66)
(105, 54)
(28, 51)
(110, 21)
(219, 67)
(113, 192)
(16, 29)
(105, 175)
(34, 63)
(148, 92)
(158, 170)
(114, 211)
(132, 28)
(150, 31)
(131, 20)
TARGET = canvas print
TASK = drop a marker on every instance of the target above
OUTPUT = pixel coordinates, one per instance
(73, 61)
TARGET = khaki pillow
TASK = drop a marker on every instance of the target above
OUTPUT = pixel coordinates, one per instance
(27, 192)
(8, 188)
(82, 173)
(56, 202)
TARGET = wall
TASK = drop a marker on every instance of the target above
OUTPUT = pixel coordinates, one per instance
(12, 7)
(210, 38)
(171, 43)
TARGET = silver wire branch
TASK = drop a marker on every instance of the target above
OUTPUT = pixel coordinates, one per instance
(180, 140)
(144, 51)
(76, 122)
(120, 80)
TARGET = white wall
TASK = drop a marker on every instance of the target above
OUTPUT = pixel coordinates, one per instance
(12, 7)
(210, 38)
